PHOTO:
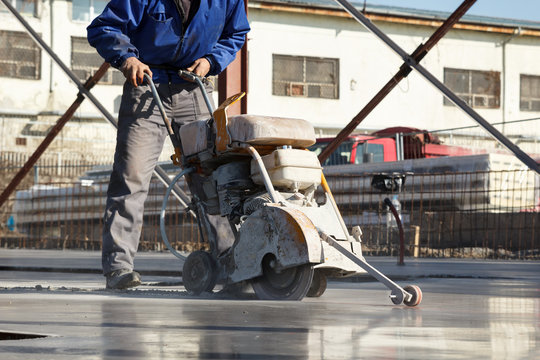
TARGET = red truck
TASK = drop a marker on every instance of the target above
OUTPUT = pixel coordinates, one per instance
(390, 144)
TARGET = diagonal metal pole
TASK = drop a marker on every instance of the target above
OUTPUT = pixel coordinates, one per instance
(51, 135)
(403, 72)
(410, 61)
(159, 172)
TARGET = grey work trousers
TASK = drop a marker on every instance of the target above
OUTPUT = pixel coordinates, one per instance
(139, 142)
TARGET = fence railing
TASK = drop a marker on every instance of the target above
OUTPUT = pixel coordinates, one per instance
(50, 165)
(487, 214)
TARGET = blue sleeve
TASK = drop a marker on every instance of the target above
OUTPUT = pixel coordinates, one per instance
(108, 32)
(232, 39)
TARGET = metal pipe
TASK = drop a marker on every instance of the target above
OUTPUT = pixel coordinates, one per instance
(393, 209)
(157, 99)
(410, 61)
(264, 174)
(162, 213)
(398, 293)
(398, 148)
(403, 72)
(51, 29)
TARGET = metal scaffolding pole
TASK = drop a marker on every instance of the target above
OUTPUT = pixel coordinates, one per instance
(159, 172)
(410, 61)
(51, 135)
(403, 72)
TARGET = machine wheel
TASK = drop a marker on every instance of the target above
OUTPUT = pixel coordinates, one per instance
(288, 284)
(199, 273)
(416, 295)
(318, 284)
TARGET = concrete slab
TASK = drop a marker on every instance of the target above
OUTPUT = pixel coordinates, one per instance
(164, 263)
(471, 309)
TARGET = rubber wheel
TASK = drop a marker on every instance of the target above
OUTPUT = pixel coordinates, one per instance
(289, 284)
(199, 273)
(416, 295)
(318, 284)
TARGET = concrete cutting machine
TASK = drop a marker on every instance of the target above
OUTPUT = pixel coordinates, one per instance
(255, 171)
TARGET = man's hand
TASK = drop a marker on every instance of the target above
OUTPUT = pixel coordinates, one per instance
(134, 71)
(200, 67)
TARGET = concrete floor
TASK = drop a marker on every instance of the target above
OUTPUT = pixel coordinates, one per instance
(471, 309)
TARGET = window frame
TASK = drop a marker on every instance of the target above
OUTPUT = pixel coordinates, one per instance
(14, 3)
(295, 88)
(470, 97)
(92, 13)
(530, 99)
(36, 63)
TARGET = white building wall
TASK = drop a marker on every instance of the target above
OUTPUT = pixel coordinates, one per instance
(366, 61)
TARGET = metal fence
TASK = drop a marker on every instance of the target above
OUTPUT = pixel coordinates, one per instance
(488, 214)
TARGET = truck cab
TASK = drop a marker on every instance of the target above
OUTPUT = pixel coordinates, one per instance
(390, 144)
(358, 149)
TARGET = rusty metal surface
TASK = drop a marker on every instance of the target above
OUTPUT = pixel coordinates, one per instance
(234, 79)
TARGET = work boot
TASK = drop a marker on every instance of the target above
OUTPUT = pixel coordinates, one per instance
(123, 279)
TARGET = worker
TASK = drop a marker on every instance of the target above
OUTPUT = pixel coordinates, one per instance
(155, 37)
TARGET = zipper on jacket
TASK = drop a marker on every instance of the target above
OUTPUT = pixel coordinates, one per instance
(182, 13)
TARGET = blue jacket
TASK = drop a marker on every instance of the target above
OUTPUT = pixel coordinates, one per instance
(152, 31)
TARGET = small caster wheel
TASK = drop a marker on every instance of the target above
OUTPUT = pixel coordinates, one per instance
(318, 284)
(199, 273)
(416, 295)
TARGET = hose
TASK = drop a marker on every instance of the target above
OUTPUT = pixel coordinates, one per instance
(162, 213)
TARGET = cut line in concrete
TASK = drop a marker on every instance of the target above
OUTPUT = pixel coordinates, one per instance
(8, 335)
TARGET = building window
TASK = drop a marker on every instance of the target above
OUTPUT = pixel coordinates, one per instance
(20, 141)
(529, 97)
(26, 7)
(85, 61)
(20, 57)
(305, 76)
(87, 10)
(479, 89)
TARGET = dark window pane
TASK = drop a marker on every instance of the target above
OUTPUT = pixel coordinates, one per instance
(485, 82)
(288, 68)
(279, 88)
(377, 150)
(529, 93)
(480, 101)
(320, 71)
(26, 6)
(85, 61)
(457, 80)
(21, 57)
(493, 102)
(314, 91)
(328, 92)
